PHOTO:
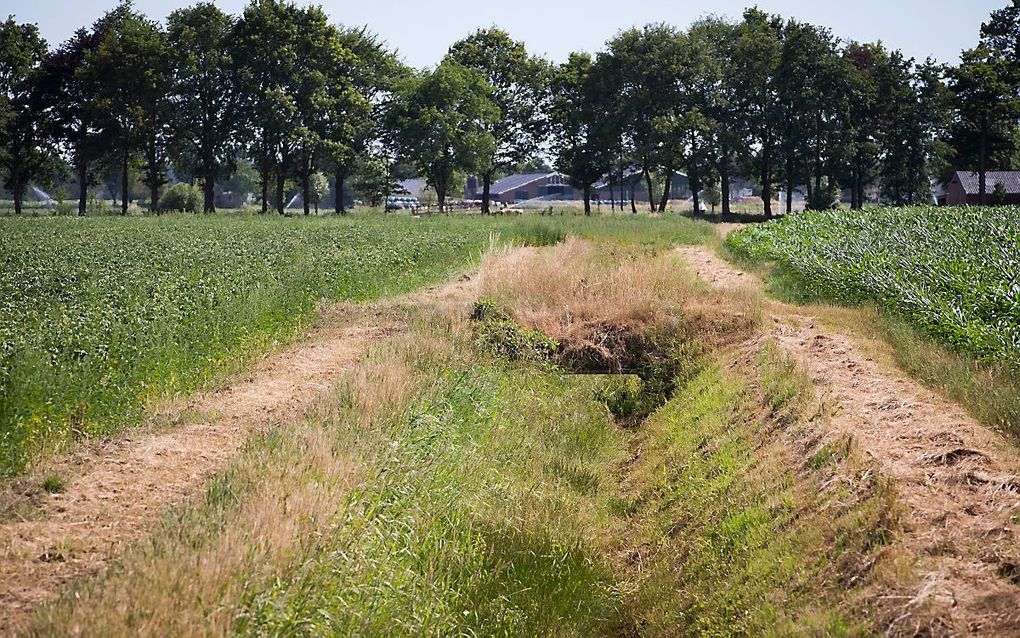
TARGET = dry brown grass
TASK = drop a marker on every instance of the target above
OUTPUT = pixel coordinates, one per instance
(606, 305)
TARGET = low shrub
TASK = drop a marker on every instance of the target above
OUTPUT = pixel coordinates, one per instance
(181, 197)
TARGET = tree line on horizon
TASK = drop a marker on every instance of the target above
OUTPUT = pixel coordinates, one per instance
(281, 90)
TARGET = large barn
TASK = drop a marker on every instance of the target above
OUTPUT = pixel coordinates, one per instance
(522, 187)
(964, 188)
(556, 186)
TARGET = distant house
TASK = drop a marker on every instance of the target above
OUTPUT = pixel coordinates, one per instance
(964, 188)
(634, 182)
(522, 187)
(556, 186)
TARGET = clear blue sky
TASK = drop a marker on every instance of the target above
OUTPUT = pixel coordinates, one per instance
(422, 29)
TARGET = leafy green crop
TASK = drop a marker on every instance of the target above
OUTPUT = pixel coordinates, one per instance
(953, 272)
(99, 316)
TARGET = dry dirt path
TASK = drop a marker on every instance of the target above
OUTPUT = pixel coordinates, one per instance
(958, 480)
(116, 493)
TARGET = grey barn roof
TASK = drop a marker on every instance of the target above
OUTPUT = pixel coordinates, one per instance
(513, 182)
(1010, 181)
(413, 186)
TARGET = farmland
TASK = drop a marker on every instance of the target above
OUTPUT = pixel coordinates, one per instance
(952, 272)
(470, 425)
(99, 317)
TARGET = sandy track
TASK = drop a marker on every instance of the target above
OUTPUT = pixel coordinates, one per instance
(118, 492)
(958, 480)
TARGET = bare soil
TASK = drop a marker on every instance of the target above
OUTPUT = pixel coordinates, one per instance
(117, 490)
(959, 481)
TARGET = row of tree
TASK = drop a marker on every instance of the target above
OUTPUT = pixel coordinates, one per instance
(782, 103)
(278, 86)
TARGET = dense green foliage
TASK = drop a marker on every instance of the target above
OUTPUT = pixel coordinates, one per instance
(951, 272)
(182, 198)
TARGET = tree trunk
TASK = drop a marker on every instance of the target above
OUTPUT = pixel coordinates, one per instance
(724, 176)
(818, 150)
(208, 194)
(281, 178)
(648, 185)
(441, 189)
(154, 197)
(633, 192)
(860, 186)
(264, 175)
(612, 198)
(124, 184)
(666, 190)
(306, 186)
(18, 191)
(789, 186)
(695, 182)
(208, 181)
(486, 191)
(83, 187)
(809, 184)
(766, 185)
(339, 189)
(587, 200)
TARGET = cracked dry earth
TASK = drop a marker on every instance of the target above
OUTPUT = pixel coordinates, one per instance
(116, 493)
(958, 481)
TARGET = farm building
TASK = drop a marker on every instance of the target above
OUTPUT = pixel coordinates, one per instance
(522, 187)
(964, 189)
(679, 188)
(556, 186)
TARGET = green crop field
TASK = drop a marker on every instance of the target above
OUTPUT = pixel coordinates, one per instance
(99, 316)
(952, 272)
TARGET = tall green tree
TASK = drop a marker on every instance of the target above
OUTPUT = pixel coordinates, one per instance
(648, 62)
(204, 95)
(903, 165)
(757, 56)
(265, 55)
(861, 131)
(813, 95)
(26, 153)
(70, 90)
(445, 117)
(1001, 35)
(935, 104)
(986, 112)
(579, 112)
(517, 82)
(722, 93)
(322, 90)
(360, 131)
(130, 69)
(700, 82)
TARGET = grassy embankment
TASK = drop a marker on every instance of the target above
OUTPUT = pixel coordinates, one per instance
(938, 284)
(483, 477)
(99, 317)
